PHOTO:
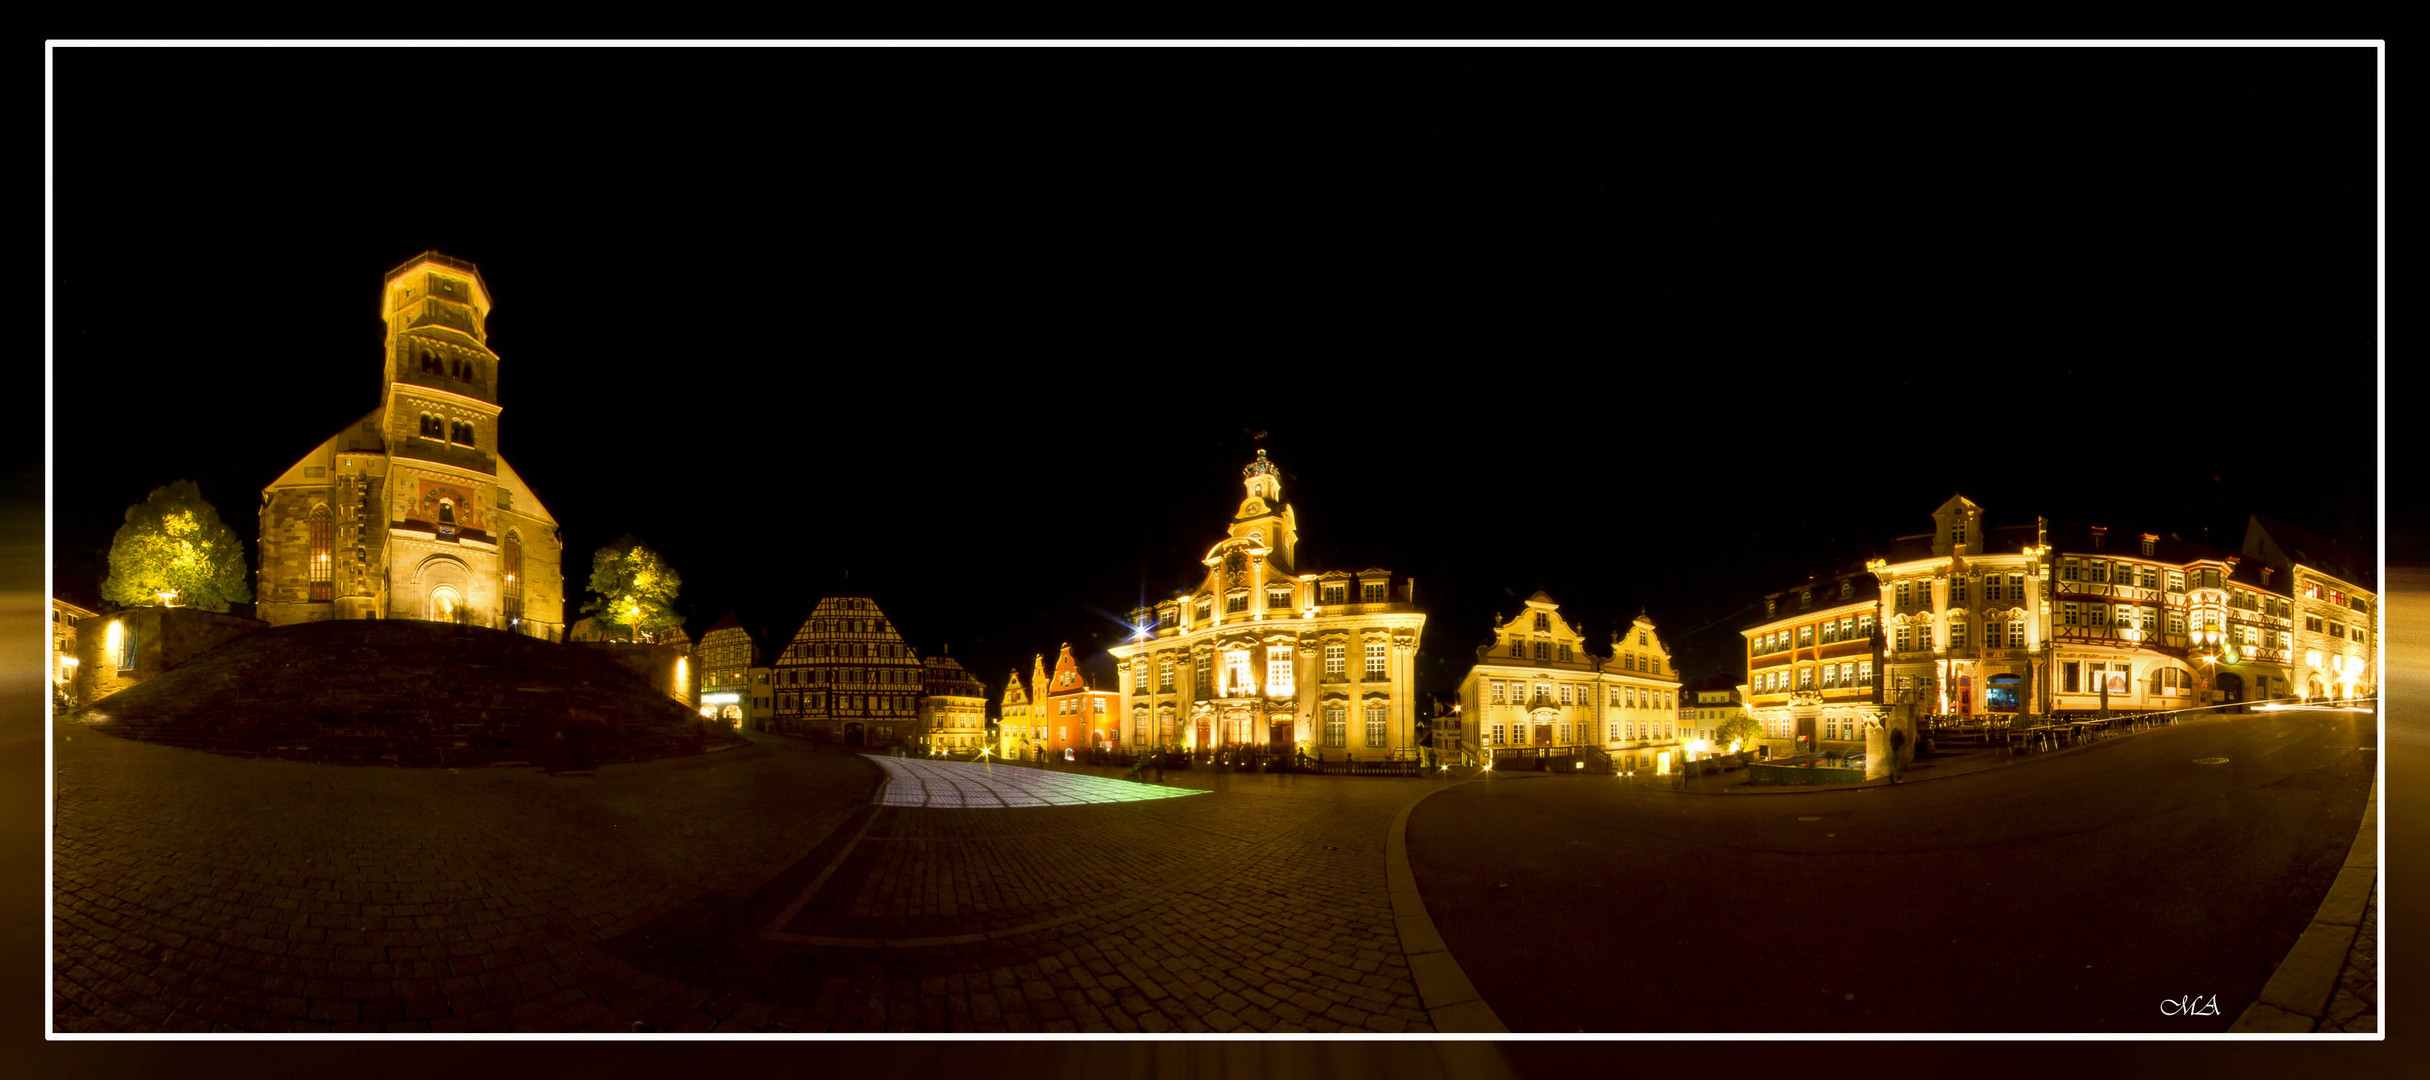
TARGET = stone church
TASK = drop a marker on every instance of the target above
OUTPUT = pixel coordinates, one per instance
(409, 512)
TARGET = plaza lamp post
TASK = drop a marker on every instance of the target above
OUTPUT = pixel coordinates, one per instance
(2210, 646)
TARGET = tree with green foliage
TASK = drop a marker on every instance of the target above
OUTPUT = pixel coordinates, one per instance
(633, 589)
(174, 551)
(1741, 729)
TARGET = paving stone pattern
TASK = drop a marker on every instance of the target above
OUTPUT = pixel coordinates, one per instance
(204, 893)
(2354, 1005)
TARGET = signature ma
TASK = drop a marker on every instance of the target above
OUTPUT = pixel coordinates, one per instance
(2191, 1005)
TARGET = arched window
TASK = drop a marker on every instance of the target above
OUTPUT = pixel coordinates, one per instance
(447, 512)
(510, 561)
(318, 569)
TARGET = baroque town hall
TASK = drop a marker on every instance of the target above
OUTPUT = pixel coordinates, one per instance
(1265, 654)
(409, 512)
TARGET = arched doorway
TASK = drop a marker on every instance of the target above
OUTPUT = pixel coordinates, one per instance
(445, 605)
(2231, 689)
(2314, 690)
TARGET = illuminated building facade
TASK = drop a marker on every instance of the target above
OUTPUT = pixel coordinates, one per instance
(1963, 617)
(1812, 666)
(2127, 615)
(952, 709)
(1266, 655)
(410, 513)
(2029, 621)
(1540, 685)
(846, 677)
(1708, 710)
(64, 660)
(1079, 714)
(2333, 656)
(1020, 730)
(1061, 714)
(2335, 609)
(727, 657)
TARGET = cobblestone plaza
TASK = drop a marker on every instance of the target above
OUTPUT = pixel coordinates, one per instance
(757, 890)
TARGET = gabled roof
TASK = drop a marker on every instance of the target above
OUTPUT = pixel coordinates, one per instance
(2299, 545)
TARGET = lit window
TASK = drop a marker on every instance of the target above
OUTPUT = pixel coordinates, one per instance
(1497, 693)
(1237, 679)
(1371, 592)
(1164, 676)
(319, 572)
(1278, 676)
(1337, 727)
(1375, 726)
(1375, 660)
(1543, 622)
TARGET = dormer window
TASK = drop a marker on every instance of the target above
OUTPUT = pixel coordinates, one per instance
(1334, 594)
(1847, 589)
(1278, 598)
(1371, 592)
(1805, 598)
(1543, 623)
(1236, 603)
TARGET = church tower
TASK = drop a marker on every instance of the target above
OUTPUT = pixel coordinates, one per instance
(440, 401)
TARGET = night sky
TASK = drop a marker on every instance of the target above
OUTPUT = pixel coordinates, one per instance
(991, 331)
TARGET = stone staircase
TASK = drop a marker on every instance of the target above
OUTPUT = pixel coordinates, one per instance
(405, 693)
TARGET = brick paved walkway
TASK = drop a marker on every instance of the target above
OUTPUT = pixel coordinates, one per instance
(754, 890)
(2354, 1006)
